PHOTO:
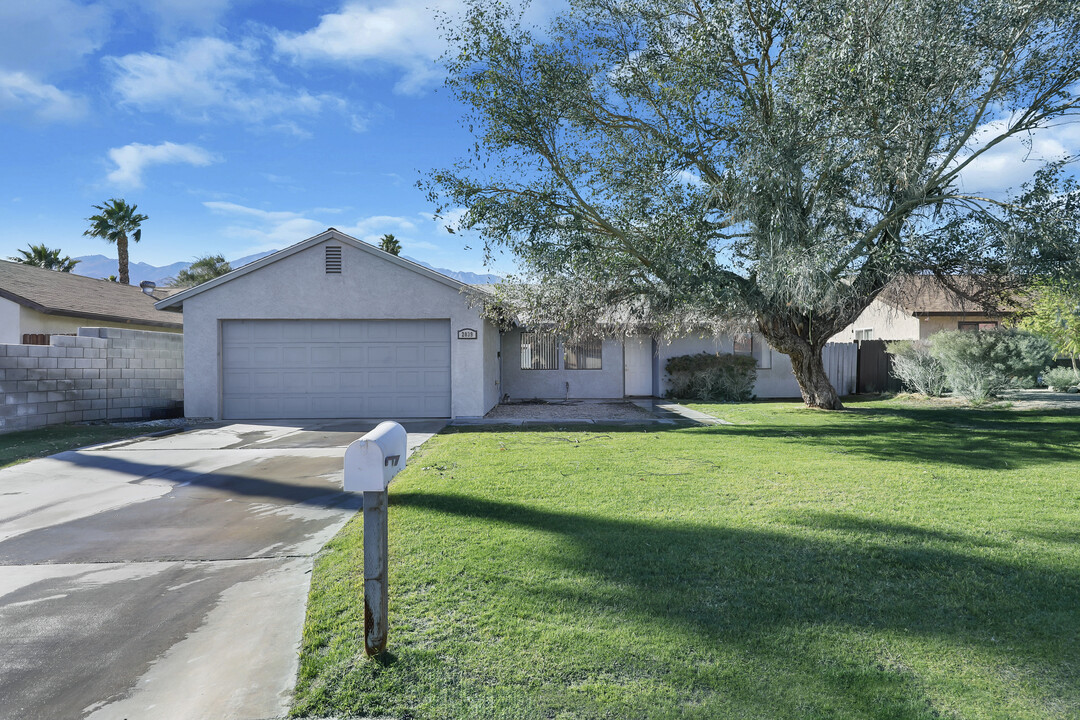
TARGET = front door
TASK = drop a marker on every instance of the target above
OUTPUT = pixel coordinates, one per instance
(638, 366)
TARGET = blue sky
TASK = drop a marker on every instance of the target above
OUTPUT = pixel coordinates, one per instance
(240, 125)
(236, 126)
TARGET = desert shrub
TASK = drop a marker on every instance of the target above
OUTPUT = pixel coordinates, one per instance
(727, 378)
(981, 364)
(916, 367)
(1060, 379)
(1030, 353)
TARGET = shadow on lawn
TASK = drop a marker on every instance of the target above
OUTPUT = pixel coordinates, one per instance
(969, 438)
(783, 600)
(978, 439)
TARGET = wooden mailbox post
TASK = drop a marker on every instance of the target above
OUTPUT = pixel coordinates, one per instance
(370, 463)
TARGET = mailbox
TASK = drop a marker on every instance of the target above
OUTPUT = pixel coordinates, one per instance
(373, 460)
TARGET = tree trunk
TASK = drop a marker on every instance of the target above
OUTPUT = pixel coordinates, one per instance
(791, 335)
(817, 390)
(122, 257)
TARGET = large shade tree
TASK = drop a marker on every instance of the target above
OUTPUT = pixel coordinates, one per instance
(116, 223)
(45, 257)
(775, 162)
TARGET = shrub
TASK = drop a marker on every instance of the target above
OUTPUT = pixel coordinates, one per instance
(1031, 353)
(916, 367)
(1060, 379)
(981, 364)
(727, 378)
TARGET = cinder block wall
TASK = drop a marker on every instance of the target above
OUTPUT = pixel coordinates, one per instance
(100, 374)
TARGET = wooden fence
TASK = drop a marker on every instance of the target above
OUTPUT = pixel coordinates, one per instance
(874, 369)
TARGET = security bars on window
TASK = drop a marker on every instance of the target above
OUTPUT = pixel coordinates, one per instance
(583, 355)
(539, 351)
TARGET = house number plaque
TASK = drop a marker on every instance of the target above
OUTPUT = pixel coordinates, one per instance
(466, 334)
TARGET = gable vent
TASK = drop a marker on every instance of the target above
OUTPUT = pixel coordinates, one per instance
(333, 259)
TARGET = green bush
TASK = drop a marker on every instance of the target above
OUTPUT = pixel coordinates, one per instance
(1059, 379)
(916, 367)
(981, 364)
(1031, 353)
(727, 378)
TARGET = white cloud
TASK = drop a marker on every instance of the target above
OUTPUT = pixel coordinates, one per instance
(18, 92)
(276, 229)
(38, 39)
(171, 16)
(132, 159)
(206, 77)
(265, 229)
(403, 34)
(450, 218)
(43, 36)
(377, 225)
(229, 208)
(1015, 160)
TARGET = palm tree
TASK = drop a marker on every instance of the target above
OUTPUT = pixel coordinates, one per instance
(115, 222)
(205, 268)
(390, 244)
(43, 257)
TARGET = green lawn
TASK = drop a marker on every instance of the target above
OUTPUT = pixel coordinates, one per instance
(25, 445)
(886, 562)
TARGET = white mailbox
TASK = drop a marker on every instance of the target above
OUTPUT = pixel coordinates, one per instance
(373, 460)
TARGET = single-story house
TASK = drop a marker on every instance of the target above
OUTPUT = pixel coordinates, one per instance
(335, 327)
(914, 308)
(37, 303)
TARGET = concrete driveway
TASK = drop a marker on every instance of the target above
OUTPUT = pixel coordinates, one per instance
(167, 577)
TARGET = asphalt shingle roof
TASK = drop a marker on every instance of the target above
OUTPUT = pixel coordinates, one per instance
(923, 295)
(59, 293)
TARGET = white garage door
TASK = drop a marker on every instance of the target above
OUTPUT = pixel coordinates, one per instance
(335, 368)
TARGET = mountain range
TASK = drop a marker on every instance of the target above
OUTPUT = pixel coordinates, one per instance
(100, 266)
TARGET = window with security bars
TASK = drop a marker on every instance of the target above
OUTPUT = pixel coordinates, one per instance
(582, 355)
(539, 351)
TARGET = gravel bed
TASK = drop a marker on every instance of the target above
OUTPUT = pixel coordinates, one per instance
(569, 411)
(1041, 400)
(1035, 399)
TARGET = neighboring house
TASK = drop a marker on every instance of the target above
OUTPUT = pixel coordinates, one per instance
(915, 308)
(37, 303)
(335, 327)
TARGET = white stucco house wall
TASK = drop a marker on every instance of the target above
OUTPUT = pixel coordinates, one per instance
(335, 327)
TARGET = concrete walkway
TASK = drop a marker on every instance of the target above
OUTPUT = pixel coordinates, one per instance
(662, 412)
(167, 577)
(665, 408)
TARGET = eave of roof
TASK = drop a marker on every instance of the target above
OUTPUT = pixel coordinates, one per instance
(51, 292)
(176, 301)
(65, 312)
